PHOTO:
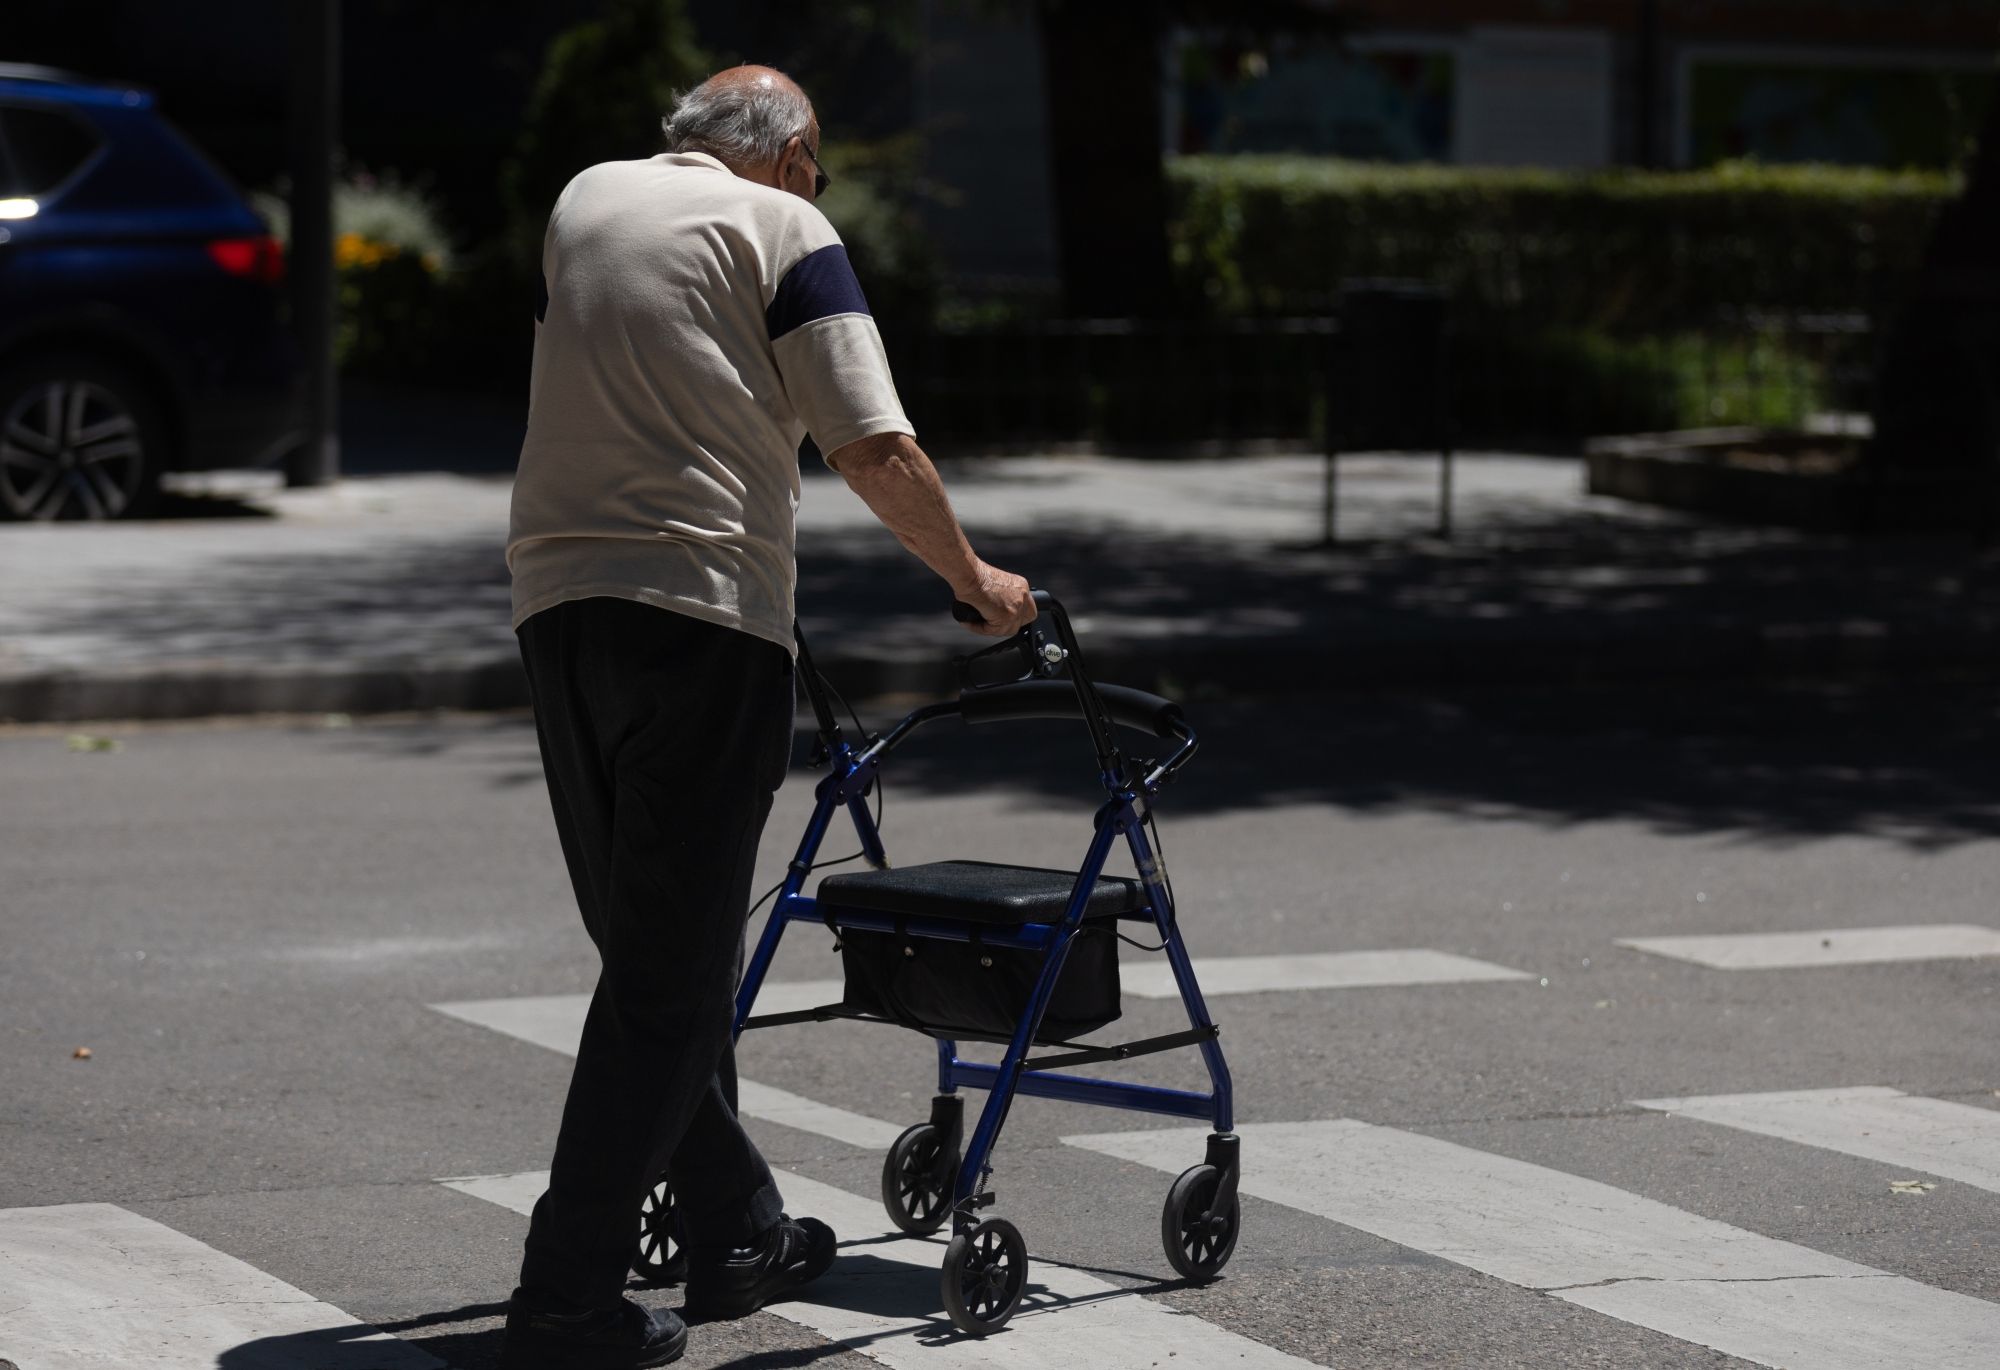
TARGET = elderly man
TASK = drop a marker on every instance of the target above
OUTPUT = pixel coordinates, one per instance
(698, 317)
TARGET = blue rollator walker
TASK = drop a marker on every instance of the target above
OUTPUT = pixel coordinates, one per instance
(969, 950)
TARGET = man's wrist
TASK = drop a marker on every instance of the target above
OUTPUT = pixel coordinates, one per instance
(968, 583)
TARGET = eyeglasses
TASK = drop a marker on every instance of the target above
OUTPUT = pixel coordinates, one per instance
(820, 179)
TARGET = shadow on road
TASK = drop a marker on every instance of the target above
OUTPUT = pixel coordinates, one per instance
(1911, 763)
(1640, 589)
(353, 1347)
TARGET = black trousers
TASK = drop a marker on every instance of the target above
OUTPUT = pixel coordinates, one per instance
(663, 738)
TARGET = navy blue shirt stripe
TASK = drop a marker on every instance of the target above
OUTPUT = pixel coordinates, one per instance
(819, 285)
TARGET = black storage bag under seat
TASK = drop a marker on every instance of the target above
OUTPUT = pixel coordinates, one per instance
(940, 987)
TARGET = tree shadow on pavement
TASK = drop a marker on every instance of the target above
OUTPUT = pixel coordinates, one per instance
(1504, 589)
(424, 600)
(1910, 763)
(1670, 734)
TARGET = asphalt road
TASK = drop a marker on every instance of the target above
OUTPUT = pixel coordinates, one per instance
(247, 924)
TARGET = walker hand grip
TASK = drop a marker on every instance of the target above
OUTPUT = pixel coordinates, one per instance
(1057, 699)
(962, 612)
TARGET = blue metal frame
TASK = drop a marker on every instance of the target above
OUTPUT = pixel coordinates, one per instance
(852, 773)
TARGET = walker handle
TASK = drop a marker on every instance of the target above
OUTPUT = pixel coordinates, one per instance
(962, 612)
(1057, 699)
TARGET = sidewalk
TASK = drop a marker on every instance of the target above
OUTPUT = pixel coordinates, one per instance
(387, 592)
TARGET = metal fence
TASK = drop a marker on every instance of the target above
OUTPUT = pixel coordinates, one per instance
(1504, 380)
(1119, 381)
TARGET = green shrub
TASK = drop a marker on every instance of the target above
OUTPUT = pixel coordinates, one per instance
(1554, 386)
(872, 204)
(392, 254)
(1612, 251)
(394, 268)
(376, 208)
(386, 212)
(603, 87)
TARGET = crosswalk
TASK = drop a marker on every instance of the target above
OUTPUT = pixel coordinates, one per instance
(94, 1286)
(1954, 1141)
(1602, 1248)
(1824, 947)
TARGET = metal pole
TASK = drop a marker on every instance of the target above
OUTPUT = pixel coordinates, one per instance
(1329, 360)
(315, 135)
(1646, 88)
(1326, 516)
(1448, 440)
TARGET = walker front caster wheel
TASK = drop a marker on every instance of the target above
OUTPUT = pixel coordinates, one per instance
(1198, 1241)
(661, 1257)
(916, 1181)
(985, 1271)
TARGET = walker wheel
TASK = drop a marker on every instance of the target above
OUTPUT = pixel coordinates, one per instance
(985, 1271)
(916, 1187)
(1198, 1242)
(662, 1256)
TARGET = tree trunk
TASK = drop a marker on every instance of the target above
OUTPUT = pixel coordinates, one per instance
(1102, 59)
(1961, 257)
(1938, 390)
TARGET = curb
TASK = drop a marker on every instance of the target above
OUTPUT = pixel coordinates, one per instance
(198, 692)
(1771, 652)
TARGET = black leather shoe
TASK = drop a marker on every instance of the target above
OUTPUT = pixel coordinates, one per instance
(627, 1337)
(726, 1283)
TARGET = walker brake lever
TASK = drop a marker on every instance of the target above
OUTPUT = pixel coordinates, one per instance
(1034, 657)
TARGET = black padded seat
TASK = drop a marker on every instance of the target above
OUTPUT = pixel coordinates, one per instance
(977, 892)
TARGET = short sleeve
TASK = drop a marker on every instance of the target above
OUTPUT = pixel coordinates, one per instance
(830, 354)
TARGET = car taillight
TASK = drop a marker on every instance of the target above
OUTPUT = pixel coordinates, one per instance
(257, 259)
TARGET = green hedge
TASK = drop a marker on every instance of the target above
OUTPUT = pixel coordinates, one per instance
(1611, 251)
(1554, 387)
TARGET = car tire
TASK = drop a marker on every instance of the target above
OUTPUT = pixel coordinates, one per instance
(81, 438)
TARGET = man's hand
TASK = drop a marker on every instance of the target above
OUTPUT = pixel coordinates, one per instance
(1002, 599)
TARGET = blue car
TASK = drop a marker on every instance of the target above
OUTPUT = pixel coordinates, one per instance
(142, 325)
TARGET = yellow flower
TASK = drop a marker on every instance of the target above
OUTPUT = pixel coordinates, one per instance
(355, 249)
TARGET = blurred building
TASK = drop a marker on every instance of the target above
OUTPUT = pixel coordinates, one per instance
(1555, 83)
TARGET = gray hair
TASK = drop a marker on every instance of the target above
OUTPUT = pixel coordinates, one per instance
(738, 123)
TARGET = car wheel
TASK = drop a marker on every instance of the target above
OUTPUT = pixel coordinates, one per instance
(79, 439)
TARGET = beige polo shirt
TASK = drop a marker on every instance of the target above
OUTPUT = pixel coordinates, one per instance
(694, 327)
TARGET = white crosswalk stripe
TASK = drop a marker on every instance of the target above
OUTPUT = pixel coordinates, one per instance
(1954, 1141)
(1825, 947)
(881, 1299)
(94, 1287)
(1220, 975)
(555, 1021)
(1735, 1291)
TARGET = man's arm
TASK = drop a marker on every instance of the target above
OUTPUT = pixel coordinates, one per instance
(897, 481)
